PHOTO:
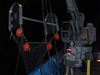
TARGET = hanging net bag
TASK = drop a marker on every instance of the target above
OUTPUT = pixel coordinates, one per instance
(33, 53)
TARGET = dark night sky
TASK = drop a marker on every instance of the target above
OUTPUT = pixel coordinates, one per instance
(33, 9)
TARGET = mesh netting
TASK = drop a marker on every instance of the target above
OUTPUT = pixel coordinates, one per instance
(34, 57)
(37, 51)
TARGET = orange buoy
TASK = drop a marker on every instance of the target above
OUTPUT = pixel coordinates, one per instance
(49, 46)
(57, 36)
(26, 46)
(19, 32)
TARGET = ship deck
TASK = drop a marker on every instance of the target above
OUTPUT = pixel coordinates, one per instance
(94, 69)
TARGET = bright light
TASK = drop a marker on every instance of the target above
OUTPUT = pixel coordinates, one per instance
(20, 5)
(98, 60)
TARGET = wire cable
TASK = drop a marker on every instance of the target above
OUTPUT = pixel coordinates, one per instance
(45, 35)
(46, 6)
(53, 30)
(17, 62)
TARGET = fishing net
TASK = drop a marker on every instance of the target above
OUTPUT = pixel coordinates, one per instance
(34, 57)
(37, 50)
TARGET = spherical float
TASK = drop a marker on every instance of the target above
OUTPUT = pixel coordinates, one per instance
(26, 46)
(19, 32)
(49, 46)
(57, 36)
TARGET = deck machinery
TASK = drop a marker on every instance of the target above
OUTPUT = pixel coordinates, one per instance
(75, 30)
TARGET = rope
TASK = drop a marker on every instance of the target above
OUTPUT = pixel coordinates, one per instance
(53, 31)
(53, 28)
(18, 52)
(45, 34)
(17, 62)
(46, 6)
(67, 61)
(44, 25)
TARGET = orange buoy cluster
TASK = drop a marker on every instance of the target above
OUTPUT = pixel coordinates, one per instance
(19, 32)
(26, 46)
(49, 45)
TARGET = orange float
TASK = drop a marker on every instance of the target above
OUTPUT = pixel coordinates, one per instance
(57, 36)
(49, 46)
(19, 32)
(26, 46)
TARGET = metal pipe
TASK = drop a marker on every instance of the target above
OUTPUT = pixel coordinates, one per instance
(34, 20)
(20, 15)
(88, 67)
